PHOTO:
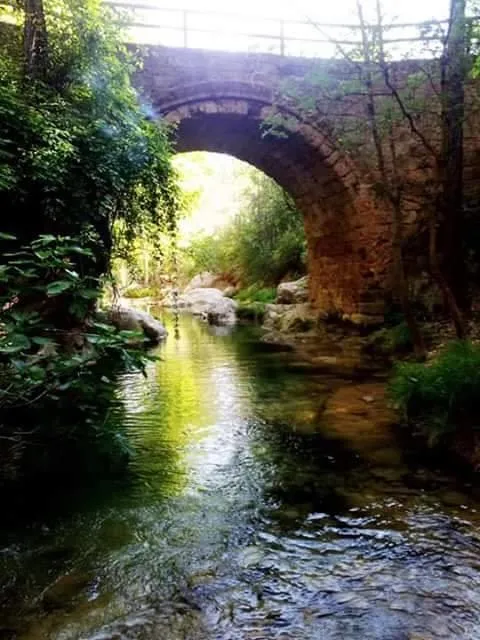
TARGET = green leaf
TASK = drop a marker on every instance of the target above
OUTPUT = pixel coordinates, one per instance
(58, 287)
(46, 239)
(81, 251)
(11, 348)
(41, 341)
(37, 373)
(89, 294)
(15, 344)
(6, 236)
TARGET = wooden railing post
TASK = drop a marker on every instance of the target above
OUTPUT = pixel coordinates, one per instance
(185, 28)
(282, 37)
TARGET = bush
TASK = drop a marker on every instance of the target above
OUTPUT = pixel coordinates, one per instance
(254, 293)
(252, 302)
(268, 238)
(443, 396)
(54, 358)
(390, 340)
(48, 344)
(251, 311)
(208, 253)
(136, 293)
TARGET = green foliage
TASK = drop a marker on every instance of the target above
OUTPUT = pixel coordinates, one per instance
(208, 253)
(443, 396)
(251, 311)
(48, 345)
(269, 236)
(400, 338)
(255, 293)
(79, 158)
(262, 244)
(391, 341)
(135, 293)
(252, 302)
(77, 154)
(58, 368)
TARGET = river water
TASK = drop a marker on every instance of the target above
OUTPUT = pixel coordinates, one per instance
(250, 514)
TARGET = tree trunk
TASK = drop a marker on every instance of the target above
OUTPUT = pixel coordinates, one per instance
(393, 186)
(449, 299)
(453, 70)
(401, 285)
(449, 212)
(35, 41)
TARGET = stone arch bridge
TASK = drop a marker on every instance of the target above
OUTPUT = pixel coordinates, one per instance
(219, 100)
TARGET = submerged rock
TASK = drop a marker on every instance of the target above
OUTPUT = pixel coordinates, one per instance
(127, 319)
(298, 318)
(366, 427)
(210, 304)
(65, 590)
(293, 292)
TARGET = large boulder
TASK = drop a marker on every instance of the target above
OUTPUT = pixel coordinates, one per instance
(287, 318)
(273, 315)
(168, 297)
(210, 304)
(204, 280)
(207, 280)
(293, 292)
(127, 319)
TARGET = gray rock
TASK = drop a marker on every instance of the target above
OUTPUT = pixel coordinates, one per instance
(230, 291)
(207, 280)
(204, 280)
(66, 589)
(293, 292)
(222, 315)
(210, 304)
(273, 316)
(169, 296)
(292, 318)
(127, 319)
(363, 319)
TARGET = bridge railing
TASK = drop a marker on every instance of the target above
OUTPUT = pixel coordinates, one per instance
(202, 29)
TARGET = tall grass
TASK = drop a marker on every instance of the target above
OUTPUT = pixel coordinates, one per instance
(252, 302)
(255, 293)
(443, 396)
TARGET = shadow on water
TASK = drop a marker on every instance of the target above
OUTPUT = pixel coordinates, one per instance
(262, 502)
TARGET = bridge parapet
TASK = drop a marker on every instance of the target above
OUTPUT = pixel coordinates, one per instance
(284, 35)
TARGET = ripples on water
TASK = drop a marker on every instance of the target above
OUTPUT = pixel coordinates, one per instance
(248, 518)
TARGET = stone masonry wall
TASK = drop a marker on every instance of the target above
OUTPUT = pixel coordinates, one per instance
(219, 101)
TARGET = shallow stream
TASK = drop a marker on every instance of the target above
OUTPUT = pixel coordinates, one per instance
(252, 513)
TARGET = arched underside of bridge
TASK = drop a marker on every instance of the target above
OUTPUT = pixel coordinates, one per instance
(348, 250)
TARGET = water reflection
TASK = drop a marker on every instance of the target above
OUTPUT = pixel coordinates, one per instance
(257, 510)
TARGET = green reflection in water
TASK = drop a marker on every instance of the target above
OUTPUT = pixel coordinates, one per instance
(252, 513)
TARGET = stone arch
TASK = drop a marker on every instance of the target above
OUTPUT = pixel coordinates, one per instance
(348, 251)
